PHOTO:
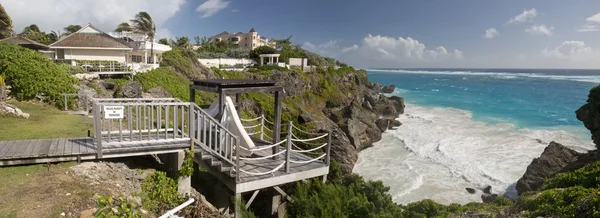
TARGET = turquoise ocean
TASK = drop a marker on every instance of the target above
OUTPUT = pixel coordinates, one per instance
(473, 128)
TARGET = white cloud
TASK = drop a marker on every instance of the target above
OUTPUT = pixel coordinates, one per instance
(211, 7)
(329, 49)
(540, 30)
(491, 33)
(588, 28)
(595, 18)
(527, 15)
(592, 25)
(568, 50)
(106, 14)
(164, 33)
(349, 49)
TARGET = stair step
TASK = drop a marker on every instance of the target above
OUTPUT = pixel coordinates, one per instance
(215, 163)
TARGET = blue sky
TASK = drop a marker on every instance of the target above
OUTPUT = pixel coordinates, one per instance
(377, 33)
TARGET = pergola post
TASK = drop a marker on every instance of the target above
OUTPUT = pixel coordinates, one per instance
(277, 122)
(261, 61)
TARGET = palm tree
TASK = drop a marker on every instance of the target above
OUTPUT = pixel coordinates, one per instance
(6, 28)
(71, 29)
(123, 27)
(142, 23)
(53, 36)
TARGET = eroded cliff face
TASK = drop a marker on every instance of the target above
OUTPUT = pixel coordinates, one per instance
(589, 114)
(344, 102)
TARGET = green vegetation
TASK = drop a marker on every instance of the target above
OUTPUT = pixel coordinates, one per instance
(187, 168)
(72, 69)
(44, 122)
(586, 177)
(159, 193)
(6, 30)
(109, 208)
(31, 73)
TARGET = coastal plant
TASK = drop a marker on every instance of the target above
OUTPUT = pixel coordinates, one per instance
(159, 193)
(567, 202)
(31, 74)
(187, 168)
(586, 177)
(110, 207)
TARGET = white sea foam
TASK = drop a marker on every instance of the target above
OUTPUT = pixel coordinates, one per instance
(438, 152)
(499, 75)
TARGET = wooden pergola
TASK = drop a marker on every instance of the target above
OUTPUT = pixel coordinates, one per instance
(238, 86)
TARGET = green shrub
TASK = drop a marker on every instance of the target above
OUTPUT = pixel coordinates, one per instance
(159, 193)
(72, 69)
(561, 202)
(587, 177)
(108, 207)
(31, 73)
(187, 168)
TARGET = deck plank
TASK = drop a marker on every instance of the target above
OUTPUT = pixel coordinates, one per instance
(14, 149)
(22, 149)
(75, 148)
(44, 148)
(53, 147)
(6, 148)
(36, 146)
(68, 147)
(61, 147)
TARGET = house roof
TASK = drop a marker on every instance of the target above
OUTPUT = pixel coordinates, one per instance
(252, 30)
(25, 42)
(91, 37)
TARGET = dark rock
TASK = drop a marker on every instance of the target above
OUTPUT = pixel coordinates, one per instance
(157, 92)
(305, 118)
(383, 124)
(471, 190)
(395, 123)
(487, 189)
(371, 96)
(388, 88)
(367, 105)
(109, 84)
(131, 90)
(554, 158)
(488, 198)
(589, 114)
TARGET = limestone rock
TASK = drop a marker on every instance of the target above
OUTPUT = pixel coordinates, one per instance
(383, 124)
(131, 90)
(6, 108)
(157, 92)
(395, 123)
(589, 114)
(388, 88)
(554, 158)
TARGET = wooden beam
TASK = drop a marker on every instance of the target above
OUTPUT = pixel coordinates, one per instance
(204, 88)
(277, 122)
(285, 195)
(252, 198)
(253, 89)
(279, 180)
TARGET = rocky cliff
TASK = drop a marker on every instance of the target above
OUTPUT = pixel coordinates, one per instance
(343, 101)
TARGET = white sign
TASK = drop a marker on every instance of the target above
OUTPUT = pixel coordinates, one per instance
(113, 112)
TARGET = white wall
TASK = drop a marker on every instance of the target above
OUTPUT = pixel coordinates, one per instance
(215, 62)
(95, 54)
(298, 62)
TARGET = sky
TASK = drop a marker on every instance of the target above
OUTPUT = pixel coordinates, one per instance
(366, 34)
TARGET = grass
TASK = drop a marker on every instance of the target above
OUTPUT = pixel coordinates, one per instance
(44, 122)
(36, 190)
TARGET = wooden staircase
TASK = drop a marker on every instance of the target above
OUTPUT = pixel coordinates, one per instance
(217, 165)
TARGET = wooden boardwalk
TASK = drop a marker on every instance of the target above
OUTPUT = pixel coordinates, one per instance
(69, 149)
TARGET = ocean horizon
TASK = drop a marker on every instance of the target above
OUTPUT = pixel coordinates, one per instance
(470, 128)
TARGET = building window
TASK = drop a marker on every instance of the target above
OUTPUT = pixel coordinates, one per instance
(246, 45)
(234, 39)
(253, 37)
(136, 58)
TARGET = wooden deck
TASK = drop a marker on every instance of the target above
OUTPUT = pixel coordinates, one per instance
(69, 149)
(248, 182)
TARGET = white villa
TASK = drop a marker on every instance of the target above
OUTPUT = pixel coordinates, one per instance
(129, 49)
(249, 40)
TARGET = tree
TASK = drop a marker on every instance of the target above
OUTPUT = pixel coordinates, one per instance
(163, 41)
(71, 29)
(33, 32)
(53, 36)
(6, 28)
(180, 42)
(123, 27)
(142, 23)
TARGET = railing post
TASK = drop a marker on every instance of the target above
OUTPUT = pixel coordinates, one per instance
(262, 124)
(191, 125)
(97, 130)
(237, 159)
(327, 158)
(66, 108)
(289, 147)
